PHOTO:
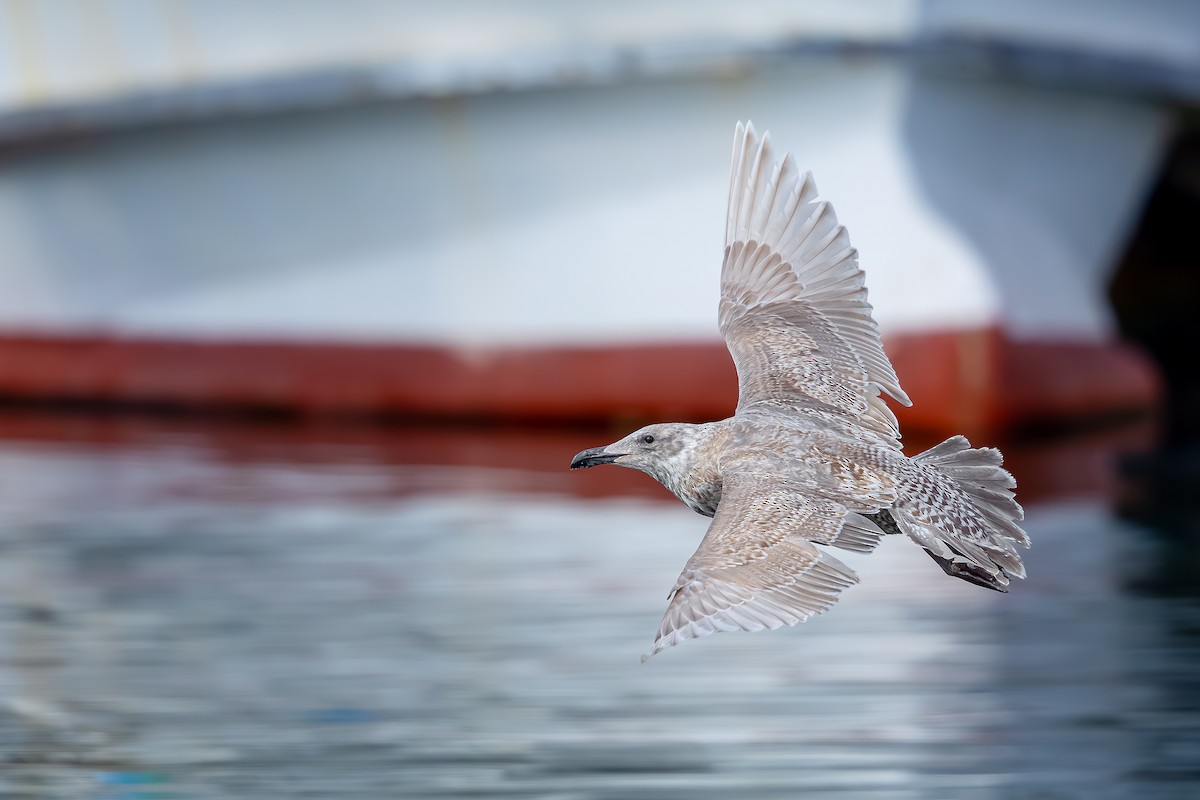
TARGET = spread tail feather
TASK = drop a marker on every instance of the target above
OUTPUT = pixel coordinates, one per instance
(958, 504)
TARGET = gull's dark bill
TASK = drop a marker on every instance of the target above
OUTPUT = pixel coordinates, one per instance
(593, 458)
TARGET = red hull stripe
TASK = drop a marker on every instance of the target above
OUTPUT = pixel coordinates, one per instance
(958, 380)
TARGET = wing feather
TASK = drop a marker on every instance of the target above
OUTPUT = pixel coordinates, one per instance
(787, 260)
(757, 567)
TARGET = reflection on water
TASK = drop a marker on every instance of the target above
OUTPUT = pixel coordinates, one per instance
(278, 613)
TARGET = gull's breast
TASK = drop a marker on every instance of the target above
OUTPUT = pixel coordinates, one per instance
(702, 493)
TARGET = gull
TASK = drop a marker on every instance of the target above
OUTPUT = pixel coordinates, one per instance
(811, 455)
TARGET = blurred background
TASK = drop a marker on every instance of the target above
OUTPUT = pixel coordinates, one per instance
(305, 306)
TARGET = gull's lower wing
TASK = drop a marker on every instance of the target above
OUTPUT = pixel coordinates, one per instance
(757, 567)
(794, 308)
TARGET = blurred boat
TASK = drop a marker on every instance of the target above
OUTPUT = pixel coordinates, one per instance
(485, 211)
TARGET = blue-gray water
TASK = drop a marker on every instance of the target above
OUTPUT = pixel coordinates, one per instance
(188, 619)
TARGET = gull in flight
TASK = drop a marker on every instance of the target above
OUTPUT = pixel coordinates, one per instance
(812, 453)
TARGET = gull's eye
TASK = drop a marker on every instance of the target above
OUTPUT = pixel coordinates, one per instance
(648, 439)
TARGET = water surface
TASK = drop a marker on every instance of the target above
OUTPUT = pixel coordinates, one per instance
(204, 613)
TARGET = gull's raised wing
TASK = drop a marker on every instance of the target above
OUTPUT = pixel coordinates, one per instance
(757, 567)
(794, 308)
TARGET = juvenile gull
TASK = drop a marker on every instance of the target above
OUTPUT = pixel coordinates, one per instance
(812, 453)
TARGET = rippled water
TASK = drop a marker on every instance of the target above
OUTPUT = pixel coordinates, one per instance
(198, 614)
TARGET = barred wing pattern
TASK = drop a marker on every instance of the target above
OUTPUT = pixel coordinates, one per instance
(757, 567)
(794, 308)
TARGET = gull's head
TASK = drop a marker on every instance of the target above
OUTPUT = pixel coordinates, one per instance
(660, 451)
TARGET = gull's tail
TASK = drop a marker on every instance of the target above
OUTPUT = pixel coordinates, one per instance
(957, 503)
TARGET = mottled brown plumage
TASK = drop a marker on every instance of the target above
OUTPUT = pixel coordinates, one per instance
(812, 453)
